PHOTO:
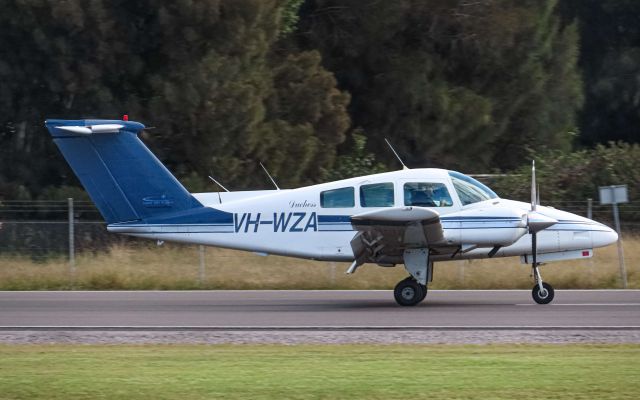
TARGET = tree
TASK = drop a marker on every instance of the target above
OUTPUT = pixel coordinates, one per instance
(469, 85)
(208, 75)
(610, 62)
(357, 161)
(576, 175)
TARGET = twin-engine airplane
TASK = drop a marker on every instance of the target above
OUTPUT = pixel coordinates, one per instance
(413, 217)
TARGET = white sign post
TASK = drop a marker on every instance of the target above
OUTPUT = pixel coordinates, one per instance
(614, 195)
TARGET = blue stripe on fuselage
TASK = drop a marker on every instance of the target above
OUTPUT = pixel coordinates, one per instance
(200, 215)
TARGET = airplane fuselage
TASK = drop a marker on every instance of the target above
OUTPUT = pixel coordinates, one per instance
(293, 222)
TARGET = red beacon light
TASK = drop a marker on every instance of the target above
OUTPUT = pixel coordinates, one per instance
(125, 117)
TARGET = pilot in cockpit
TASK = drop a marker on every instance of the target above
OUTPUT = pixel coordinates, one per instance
(421, 198)
(441, 197)
(426, 195)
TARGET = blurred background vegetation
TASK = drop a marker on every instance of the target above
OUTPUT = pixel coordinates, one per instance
(312, 88)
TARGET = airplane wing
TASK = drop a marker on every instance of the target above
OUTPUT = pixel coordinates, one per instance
(387, 233)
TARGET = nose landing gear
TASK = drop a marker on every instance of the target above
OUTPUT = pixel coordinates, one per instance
(542, 292)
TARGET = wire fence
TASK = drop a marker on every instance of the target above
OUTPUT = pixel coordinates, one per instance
(629, 212)
(41, 229)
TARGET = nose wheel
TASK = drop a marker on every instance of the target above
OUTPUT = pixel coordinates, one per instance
(408, 292)
(542, 292)
(544, 295)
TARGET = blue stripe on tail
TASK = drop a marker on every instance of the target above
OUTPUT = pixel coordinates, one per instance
(124, 179)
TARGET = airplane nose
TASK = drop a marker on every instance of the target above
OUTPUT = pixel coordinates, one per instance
(604, 237)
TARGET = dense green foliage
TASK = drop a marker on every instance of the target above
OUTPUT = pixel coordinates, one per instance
(610, 64)
(565, 178)
(577, 175)
(469, 85)
(312, 87)
(206, 74)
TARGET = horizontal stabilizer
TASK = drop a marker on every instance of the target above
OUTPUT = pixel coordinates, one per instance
(88, 130)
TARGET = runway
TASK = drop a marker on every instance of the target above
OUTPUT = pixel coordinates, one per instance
(281, 309)
(252, 316)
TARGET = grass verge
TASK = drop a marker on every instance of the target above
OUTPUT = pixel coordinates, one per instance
(320, 371)
(146, 266)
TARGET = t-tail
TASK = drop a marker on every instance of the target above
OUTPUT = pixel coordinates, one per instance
(125, 180)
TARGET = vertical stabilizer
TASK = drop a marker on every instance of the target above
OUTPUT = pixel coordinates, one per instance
(124, 179)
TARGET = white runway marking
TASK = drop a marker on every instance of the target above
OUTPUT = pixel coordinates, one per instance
(170, 328)
(297, 291)
(586, 305)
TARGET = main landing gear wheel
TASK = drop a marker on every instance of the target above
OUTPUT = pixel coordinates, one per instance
(408, 292)
(424, 292)
(543, 296)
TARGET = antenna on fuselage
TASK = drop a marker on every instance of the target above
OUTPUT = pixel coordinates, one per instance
(219, 184)
(269, 175)
(396, 154)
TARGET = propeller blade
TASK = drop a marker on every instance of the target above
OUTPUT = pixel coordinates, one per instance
(534, 196)
(534, 249)
(536, 221)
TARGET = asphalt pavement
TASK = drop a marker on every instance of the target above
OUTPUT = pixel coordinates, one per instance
(171, 310)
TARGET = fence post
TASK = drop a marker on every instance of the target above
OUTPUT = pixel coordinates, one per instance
(590, 216)
(201, 269)
(461, 271)
(623, 271)
(72, 255)
(332, 274)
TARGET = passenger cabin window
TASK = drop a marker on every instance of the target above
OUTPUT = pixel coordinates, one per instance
(426, 194)
(376, 195)
(470, 190)
(337, 198)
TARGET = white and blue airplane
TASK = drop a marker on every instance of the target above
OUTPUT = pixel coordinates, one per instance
(413, 217)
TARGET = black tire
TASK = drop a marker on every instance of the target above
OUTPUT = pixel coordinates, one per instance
(424, 292)
(408, 292)
(542, 298)
(423, 287)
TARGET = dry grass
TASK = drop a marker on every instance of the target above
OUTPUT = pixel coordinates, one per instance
(177, 267)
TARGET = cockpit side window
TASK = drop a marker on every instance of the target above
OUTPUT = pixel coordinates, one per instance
(426, 194)
(470, 190)
(337, 198)
(376, 195)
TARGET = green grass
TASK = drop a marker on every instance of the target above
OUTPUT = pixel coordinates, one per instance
(320, 371)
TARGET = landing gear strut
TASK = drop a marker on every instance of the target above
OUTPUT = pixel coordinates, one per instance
(413, 289)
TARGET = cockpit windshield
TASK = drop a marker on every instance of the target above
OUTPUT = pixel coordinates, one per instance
(470, 190)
